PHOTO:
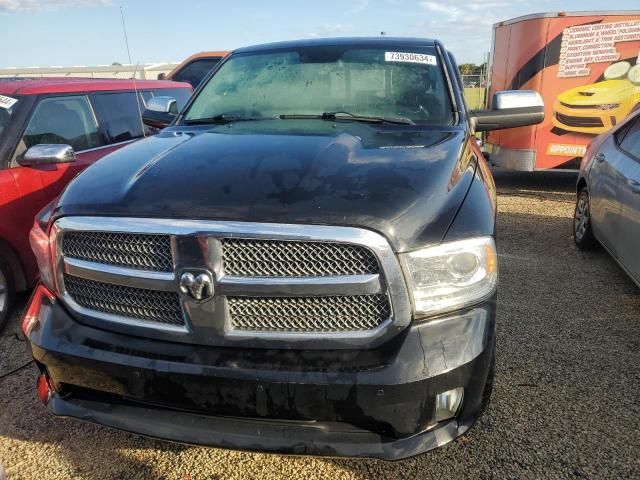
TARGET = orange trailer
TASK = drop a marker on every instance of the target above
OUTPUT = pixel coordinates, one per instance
(586, 65)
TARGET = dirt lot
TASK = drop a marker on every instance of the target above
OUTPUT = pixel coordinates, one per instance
(566, 401)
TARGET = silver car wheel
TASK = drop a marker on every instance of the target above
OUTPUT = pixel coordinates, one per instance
(581, 220)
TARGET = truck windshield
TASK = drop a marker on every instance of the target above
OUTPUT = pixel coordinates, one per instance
(343, 83)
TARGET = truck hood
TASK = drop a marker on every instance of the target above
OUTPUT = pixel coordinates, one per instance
(406, 184)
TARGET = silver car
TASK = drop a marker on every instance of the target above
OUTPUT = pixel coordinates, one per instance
(608, 202)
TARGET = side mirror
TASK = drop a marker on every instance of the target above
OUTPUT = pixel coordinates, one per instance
(162, 76)
(44, 154)
(510, 108)
(160, 112)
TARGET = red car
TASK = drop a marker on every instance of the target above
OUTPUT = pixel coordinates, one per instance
(50, 130)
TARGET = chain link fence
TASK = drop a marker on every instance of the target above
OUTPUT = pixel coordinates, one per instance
(475, 88)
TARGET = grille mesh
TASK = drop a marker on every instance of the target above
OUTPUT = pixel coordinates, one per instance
(138, 303)
(309, 314)
(275, 258)
(132, 250)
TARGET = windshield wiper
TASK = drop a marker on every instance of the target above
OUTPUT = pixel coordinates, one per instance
(350, 117)
(222, 118)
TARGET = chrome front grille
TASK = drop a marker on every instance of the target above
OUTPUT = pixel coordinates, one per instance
(131, 250)
(271, 258)
(309, 314)
(270, 285)
(138, 303)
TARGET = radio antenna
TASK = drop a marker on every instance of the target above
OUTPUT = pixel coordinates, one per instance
(135, 71)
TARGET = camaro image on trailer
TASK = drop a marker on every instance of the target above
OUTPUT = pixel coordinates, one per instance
(598, 107)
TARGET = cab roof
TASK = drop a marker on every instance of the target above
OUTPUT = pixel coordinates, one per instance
(34, 86)
(381, 41)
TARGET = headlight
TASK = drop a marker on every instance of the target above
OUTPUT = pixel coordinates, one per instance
(607, 106)
(42, 247)
(451, 275)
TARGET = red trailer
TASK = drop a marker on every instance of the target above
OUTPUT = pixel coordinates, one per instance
(586, 65)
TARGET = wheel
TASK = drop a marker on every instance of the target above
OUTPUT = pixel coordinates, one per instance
(488, 387)
(582, 232)
(7, 292)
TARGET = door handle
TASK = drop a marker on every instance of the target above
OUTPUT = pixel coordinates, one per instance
(601, 157)
(634, 185)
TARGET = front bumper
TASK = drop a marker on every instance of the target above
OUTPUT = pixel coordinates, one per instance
(587, 120)
(370, 403)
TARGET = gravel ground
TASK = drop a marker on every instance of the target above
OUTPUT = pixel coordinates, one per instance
(566, 402)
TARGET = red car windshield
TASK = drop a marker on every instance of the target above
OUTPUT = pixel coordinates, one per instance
(8, 107)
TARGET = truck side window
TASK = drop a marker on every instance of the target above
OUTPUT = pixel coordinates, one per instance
(119, 115)
(67, 120)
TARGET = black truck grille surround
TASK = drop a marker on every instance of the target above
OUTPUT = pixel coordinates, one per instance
(138, 303)
(271, 258)
(309, 314)
(131, 250)
(268, 284)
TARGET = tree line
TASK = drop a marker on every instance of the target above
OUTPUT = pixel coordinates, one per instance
(472, 68)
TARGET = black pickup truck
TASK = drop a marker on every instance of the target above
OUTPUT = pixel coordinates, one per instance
(303, 262)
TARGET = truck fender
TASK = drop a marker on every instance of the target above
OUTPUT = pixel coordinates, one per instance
(471, 219)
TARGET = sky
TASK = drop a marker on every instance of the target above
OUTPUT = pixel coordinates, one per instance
(47, 33)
